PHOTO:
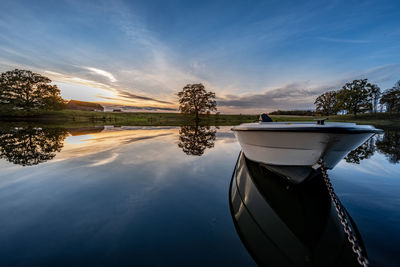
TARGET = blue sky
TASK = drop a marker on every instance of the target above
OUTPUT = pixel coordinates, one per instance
(256, 55)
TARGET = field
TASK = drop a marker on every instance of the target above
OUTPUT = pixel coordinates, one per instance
(122, 118)
(82, 118)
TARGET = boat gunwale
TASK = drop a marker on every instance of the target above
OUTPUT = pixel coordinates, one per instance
(311, 129)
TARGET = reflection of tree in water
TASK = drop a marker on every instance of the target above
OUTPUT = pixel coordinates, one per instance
(389, 145)
(365, 151)
(30, 146)
(195, 139)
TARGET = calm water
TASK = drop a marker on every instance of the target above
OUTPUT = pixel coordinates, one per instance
(159, 196)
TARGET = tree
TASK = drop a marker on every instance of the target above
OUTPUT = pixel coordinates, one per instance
(326, 103)
(194, 99)
(28, 90)
(355, 97)
(195, 139)
(391, 98)
(375, 95)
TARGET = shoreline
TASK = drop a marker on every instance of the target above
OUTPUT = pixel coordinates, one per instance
(78, 117)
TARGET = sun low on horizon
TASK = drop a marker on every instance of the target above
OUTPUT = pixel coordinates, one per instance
(256, 57)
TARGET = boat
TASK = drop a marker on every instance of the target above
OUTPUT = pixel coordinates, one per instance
(286, 224)
(300, 144)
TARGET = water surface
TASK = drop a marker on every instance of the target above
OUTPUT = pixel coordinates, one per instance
(159, 195)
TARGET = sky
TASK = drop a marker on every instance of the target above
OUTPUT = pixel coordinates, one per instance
(257, 56)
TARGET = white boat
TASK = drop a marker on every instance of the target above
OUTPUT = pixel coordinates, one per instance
(301, 143)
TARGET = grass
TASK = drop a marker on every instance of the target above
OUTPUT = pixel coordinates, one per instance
(80, 118)
(382, 120)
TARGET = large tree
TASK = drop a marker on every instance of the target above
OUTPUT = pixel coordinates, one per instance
(194, 99)
(355, 96)
(391, 98)
(27, 90)
(326, 103)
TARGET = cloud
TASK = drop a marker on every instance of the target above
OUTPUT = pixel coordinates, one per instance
(126, 94)
(59, 77)
(384, 73)
(102, 73)
(142, 58)
(119, 94)
(137, 108)
(291, 96)
(131, 99)
(340, 40)
(301, 95)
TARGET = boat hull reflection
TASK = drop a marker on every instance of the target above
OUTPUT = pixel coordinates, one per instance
(282, 224)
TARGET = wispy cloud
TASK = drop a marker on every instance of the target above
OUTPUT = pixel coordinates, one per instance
(128, 95)
(343, 40)
(124, 96)
(59, 77)
(102, 73)
(384, 73)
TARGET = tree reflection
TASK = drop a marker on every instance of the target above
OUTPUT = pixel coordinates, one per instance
(29, 146)
(195, 139)
(389, 145)
(365, 151)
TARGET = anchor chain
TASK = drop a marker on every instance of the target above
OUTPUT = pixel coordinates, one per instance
(351, 237)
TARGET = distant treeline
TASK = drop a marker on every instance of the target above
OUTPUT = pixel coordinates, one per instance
(359, 96)
(294, 112)
(356, 97)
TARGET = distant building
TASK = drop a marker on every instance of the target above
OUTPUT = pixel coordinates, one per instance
(82, 105)
(117, 110)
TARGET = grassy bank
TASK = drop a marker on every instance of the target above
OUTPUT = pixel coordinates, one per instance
(79, 117)
(87, 118)
(382, 120)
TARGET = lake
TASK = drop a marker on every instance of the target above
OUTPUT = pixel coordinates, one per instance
(160, 196)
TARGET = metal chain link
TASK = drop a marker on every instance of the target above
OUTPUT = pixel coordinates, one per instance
(351, 237)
